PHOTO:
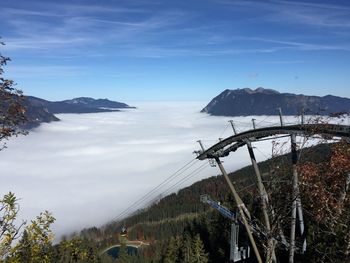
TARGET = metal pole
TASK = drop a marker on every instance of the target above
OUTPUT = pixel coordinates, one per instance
(302, 116)
(253, 120)
(201, 144)
(240, 206)
(233, 127)
(261, 188)
(280, 113)
(294, 198)
(271, 256)
(211, 161)
(301, 221)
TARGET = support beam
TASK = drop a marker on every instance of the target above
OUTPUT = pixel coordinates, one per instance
(302, 116)
(261, 188)
(241, 208)
(280, 113)
(201, 145)
(294, 198)
(253, 121)
(301, 222)
(270, 254)
(233, 127)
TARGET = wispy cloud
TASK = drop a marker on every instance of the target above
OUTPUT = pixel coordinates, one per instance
(129, 30)
(70, 26)
(296, 45)
(310, 14)
(277, 62)
(45, 71)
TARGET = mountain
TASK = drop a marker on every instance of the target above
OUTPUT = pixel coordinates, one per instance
(78, 105)
(244, 102)
(39, 110)
(36, 114)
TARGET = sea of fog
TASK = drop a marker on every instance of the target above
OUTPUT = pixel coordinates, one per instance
(87, 168)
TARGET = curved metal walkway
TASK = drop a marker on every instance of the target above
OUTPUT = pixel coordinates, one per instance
(232, 143)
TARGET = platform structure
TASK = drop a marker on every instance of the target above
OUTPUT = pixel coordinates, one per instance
(232, 143)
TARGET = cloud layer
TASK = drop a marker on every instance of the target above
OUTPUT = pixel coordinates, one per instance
(88, 168)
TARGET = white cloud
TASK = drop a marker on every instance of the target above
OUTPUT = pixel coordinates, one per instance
(88, 168)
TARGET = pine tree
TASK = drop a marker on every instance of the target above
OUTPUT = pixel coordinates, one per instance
(199, 254)
(23, 253)
(172, 253)
(186, 249)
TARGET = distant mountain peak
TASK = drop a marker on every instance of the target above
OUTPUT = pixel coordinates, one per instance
(82, 100)
(251, 91)
(266, 91)
(247, 91)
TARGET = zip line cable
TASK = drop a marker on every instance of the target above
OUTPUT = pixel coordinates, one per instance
(189, 176)
(186, 178)
(134, 208)
(166, 181)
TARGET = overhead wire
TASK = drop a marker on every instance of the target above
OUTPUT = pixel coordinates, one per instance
(186, 178)
(175, 186)
(222, 133)
(264, 120)
(180, 182)
(166, 181)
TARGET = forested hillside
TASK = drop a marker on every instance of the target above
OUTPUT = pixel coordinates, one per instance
(179, 226)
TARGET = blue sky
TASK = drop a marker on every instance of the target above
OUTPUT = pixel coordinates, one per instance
(175, 50)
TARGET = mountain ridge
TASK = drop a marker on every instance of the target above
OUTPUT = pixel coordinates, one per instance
(39, 110)
(245, 102)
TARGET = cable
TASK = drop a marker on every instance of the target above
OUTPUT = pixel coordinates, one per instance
(264, 120)
(186, 178)
(266, 156)
(167, 180)
(222, 133)
(193, 173)
(273, 138)
(183, 180)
